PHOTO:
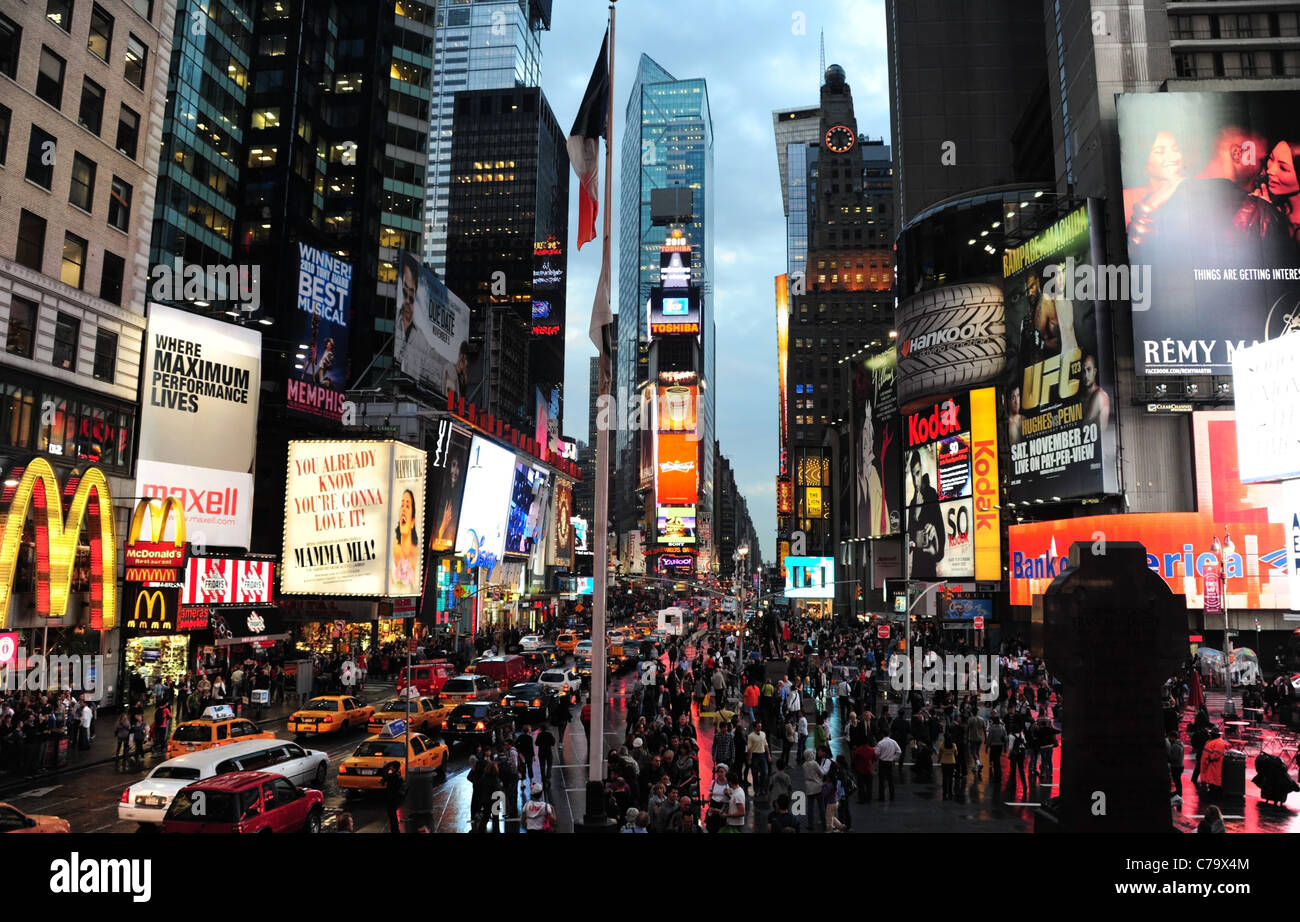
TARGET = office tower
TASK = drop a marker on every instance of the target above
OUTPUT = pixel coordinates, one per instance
(80, 121)
(202, 139)
(484, 45)
(668, 143)
(967, 84)
(508, 219)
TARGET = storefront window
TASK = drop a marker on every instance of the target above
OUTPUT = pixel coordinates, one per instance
(166, 655)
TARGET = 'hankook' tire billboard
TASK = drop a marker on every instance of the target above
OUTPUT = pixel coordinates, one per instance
(950, 338)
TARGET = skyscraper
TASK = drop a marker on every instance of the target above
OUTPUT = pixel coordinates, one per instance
(484, 45)
(668, 143)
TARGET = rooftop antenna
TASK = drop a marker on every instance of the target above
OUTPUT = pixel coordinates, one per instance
(822, 78)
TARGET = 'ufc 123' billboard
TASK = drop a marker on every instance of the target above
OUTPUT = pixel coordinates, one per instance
(1212, 209)
(1060, 427)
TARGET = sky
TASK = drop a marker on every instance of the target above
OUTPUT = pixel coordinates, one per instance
(755, 58)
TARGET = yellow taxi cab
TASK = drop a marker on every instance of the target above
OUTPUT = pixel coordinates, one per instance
(364, 769)
(427, 715)
(217, 726)
(329, 714)
(14, 820)
(566, 643)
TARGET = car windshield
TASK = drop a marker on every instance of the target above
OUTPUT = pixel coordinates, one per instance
(526, 690)
(175, 771)
(458, 686)
(321, 704)
(394, 748)
(197, 806)
(192, 733)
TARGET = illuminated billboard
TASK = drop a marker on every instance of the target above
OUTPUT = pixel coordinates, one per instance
(319, 330)
(1179, 546)
(877, 459)
(985, 485)
(1266, 379)
(1060, 414)
(675, 525)
(809, 577)
(676, 470)
(353, 519)
(431, 342)
(782, 368)
(448, 461)
(950, 337)
(548, 288)
(674, 312)
(937, 490)
(529, 499)
(677, 409)
(485, 510)
(1210, 207)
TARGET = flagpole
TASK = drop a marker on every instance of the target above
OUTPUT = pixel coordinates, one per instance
(596, 745)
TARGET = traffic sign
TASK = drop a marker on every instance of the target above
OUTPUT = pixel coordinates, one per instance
(411, 644)
(883, 632)
(979, 622)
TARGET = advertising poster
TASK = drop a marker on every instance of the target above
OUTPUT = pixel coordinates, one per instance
(950, 337)
(937, 488)
(228, 581)
(678, 406)
(202, 378)
(675, 525)
(485, 508)
(431, 342)
(563, 527)
(1266, 382)
(1180, 546)
(448, 461)
(1210, 205)
(676, 474)
(674, 311)
(877, 455)
(319, 329)
(984, 474)
(352, 521)
(548, 288)
(809, 577)
(528, 500)
(1059, 394)
(580, 543)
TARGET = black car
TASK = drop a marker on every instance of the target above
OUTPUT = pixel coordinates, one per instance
(479, 721)
(531, 701)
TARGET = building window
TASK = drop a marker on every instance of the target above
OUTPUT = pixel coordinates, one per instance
(66, 332)
(111, 277)
(22, 327)
(272, 45)
(270, 118)
(91, 114)
(105, 356)
(40, 157)
(101, 32)
(128, 131)
(49, 80)
(82, 190)
(6, 116)
(31, 240)
(11, 37)
(119, 204)
(144, 8)
(136, 55)
(74, 260)
(262, 156)
(59, 12)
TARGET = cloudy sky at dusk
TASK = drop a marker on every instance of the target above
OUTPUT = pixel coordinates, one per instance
(754, 60)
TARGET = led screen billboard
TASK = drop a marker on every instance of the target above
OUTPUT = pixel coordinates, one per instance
(809, 577)
(1210, 205)
(675, 525)
(319, 330)
(529, 499)
(485, 509)
(676, 470)
(448, 461)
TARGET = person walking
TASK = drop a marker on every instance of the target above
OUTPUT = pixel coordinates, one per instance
(948, 762)
(122, 732)
(813, 778)
(1175, 751)
(545, 752)
(539, 816)
(997, 741)
(888, 754)
(758, 755)
(975, 734)
(1019, 750)
(864, 758)
(791, 734)
(393, 795)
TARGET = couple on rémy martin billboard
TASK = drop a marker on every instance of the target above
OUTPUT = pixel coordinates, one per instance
(1212, 206)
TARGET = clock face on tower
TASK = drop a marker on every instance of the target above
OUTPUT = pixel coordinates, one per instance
(840, 139)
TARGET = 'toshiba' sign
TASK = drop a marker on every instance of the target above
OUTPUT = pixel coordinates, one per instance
(35, 486)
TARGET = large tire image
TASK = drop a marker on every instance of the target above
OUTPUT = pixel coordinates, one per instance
(965, 361)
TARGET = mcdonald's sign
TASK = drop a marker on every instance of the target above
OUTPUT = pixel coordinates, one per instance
(156, 552)
(35, 486)
(154, 610)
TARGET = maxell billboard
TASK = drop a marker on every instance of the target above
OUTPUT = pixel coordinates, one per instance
(1060, 418)
(1210, 197)
(198, 422)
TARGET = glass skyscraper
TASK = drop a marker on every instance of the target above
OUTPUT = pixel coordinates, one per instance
(668, 142)
(479, 45)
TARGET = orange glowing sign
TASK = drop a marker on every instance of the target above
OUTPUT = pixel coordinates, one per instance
(984, 446)
(676, 470)
(784, 497)
(156, 552)
(36, 487)
(678, 408)
(782, 362)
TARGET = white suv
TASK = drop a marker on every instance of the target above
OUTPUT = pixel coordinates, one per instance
(566, 681)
